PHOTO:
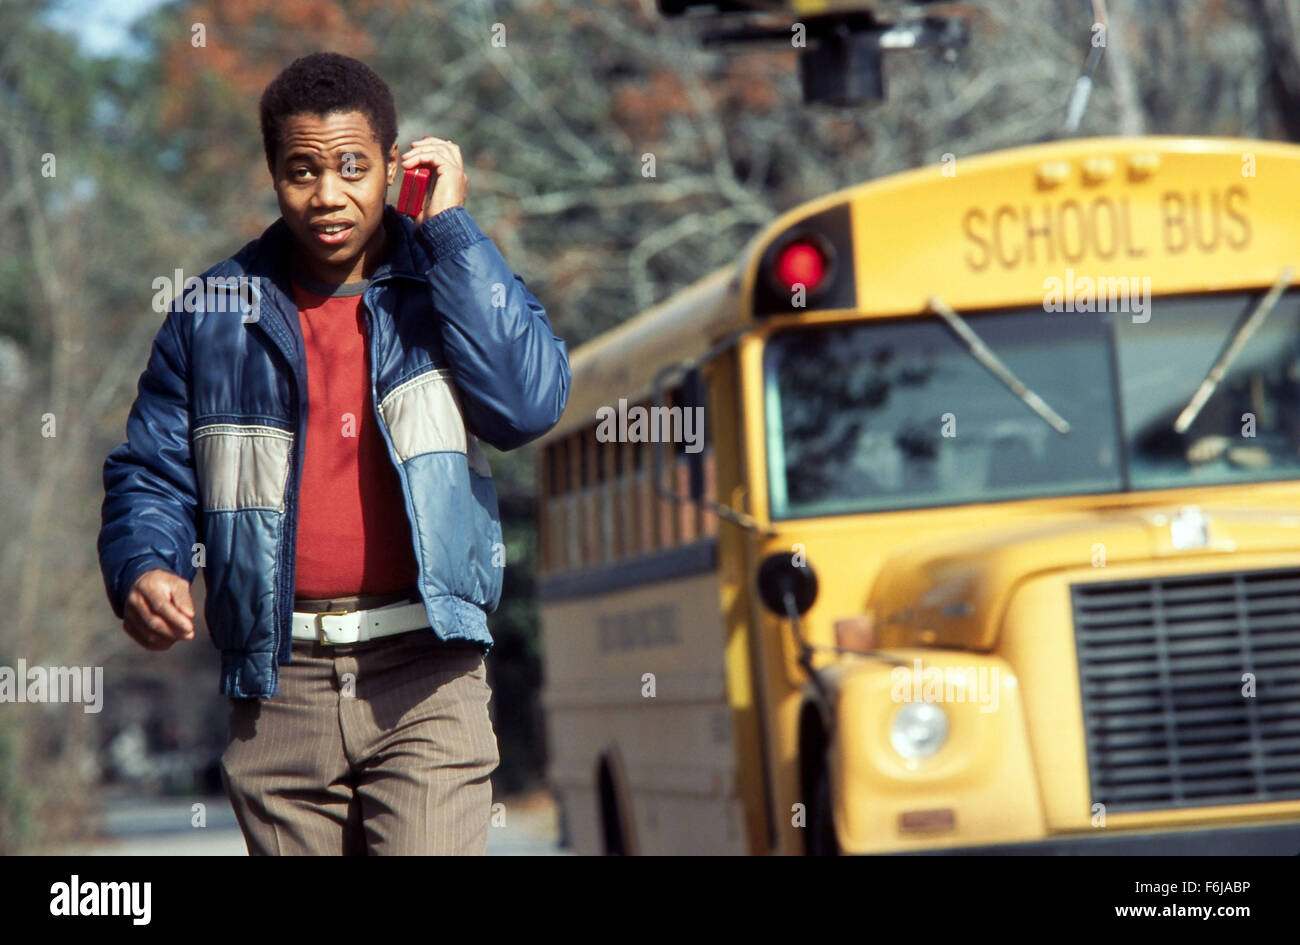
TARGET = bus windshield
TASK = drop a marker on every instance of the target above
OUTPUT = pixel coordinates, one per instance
(893, 414)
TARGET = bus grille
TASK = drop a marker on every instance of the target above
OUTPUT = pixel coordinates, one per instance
(1163, 665)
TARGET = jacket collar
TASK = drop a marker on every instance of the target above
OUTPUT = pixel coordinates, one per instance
(268, 257)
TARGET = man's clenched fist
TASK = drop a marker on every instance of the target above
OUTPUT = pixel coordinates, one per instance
(159, 610)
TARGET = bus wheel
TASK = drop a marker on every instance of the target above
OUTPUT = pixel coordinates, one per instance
(821, 821)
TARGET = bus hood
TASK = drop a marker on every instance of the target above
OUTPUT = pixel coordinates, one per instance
(954, 593)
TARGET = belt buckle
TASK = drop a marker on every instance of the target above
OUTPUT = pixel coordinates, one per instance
(320, 626)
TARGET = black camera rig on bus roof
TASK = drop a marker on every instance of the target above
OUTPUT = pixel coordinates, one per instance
(841, 58)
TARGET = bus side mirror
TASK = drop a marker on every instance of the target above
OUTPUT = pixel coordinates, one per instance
(779, 576)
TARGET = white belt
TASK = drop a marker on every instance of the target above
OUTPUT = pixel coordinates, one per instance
(342, 627)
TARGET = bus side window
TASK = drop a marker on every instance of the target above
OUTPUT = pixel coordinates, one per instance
(708, 518)
(573, 516)
(716, 379)
(659, 530)
(643, 498)
(667, 507)
(603, 455)
(687, 512)
(618, 496)
(590, 500)
(557, 504)
(544, 504)
(631, 474)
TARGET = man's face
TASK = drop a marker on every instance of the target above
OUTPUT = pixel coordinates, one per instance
(329, 171)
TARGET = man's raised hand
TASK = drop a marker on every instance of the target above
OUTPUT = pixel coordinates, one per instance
(450, 185)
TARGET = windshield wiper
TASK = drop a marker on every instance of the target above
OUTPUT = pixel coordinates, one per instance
(985, 356)
(1239, 339)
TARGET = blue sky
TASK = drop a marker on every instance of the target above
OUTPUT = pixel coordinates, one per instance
(101, 26)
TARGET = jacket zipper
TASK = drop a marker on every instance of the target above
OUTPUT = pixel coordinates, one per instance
(288, 553)
(392, 453)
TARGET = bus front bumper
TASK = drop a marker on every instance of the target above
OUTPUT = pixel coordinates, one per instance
(1278, 839)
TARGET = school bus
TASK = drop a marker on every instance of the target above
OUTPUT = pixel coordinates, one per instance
(990, 541)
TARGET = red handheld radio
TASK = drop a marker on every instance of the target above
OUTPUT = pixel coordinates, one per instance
(415, 184)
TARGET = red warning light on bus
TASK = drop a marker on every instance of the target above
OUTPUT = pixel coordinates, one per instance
(802, 261)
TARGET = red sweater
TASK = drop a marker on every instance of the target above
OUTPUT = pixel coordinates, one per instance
(353, 533)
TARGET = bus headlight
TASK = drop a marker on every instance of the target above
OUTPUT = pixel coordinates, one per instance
(919, 730)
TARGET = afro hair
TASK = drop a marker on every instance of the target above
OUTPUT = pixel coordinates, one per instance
(323, 83)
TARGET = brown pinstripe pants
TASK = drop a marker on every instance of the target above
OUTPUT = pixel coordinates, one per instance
(383, 747)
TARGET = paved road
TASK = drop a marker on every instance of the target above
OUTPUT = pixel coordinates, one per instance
(145, 826)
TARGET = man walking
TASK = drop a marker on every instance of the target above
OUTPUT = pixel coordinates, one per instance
(307, 430)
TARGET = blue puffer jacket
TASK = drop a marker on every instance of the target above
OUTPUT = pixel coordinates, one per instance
(459, 350)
